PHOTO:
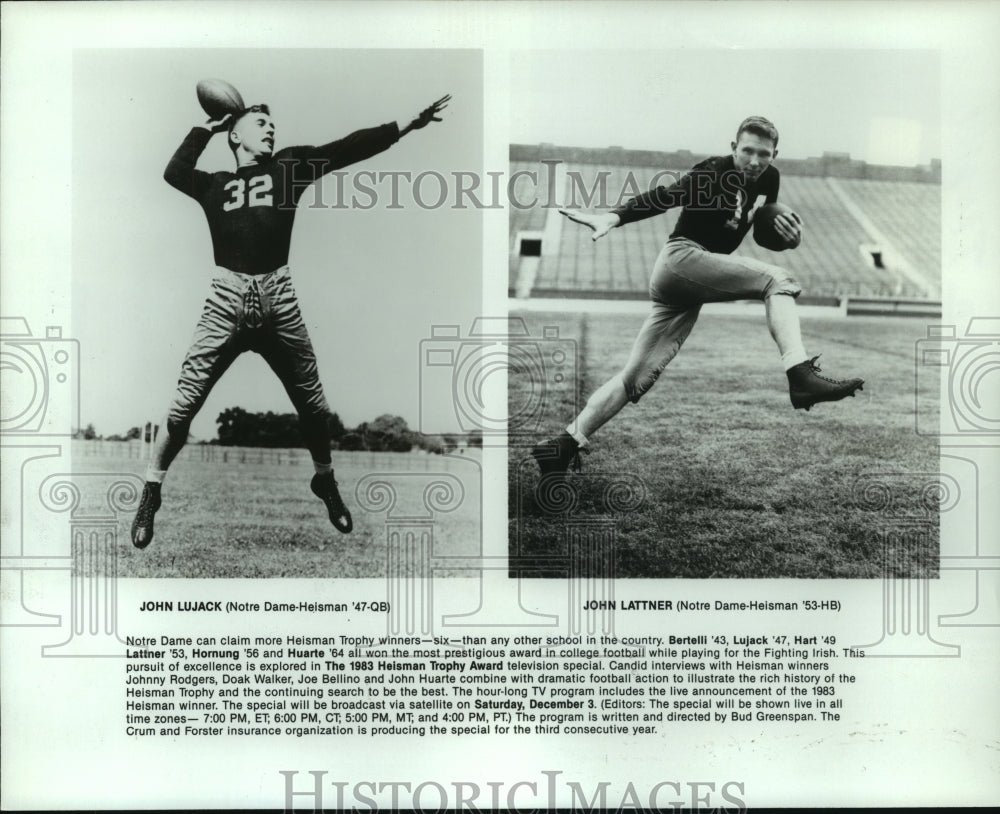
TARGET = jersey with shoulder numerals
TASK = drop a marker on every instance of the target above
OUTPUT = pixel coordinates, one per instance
(251, 211)
(718, 203)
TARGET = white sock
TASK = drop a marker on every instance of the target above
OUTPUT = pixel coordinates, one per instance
(579, 437)
(155, 475)
(793, 357)
(322, 469)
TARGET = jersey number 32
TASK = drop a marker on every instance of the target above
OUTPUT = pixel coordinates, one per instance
(259, 186)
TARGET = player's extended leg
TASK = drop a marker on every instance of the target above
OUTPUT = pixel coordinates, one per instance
(783, 323)
(697, 275)
(168, 445)
(659, 339)
(805, 386)
(603, 405)
(213, 349)
(289, 352)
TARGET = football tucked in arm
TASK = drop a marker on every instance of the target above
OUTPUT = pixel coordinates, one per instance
(218, 98)
(764, 233)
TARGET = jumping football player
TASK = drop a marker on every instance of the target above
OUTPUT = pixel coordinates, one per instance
(252, 305)
(719, 197)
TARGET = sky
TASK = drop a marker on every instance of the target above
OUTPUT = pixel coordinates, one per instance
(882, 106)
(371, 283)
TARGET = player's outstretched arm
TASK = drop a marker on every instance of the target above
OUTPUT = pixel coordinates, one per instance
(427, 115)
(180, 172)
(318, 161)
(218, 125)
(600, 225)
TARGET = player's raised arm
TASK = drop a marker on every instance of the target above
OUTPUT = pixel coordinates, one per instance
(314, 162)
(180, 172)
(218, 125)
(600, 225)
(427, 115)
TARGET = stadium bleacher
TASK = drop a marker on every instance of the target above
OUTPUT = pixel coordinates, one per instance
(870, 232)
(911, 213)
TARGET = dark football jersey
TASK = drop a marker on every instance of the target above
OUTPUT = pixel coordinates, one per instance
(251, 211)
(717, 203)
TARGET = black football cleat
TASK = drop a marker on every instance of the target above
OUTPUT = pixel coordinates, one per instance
(142, 526)
(325, 488)
(806, 387)
(558, 454)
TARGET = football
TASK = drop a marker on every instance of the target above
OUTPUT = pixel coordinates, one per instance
(217, 97)
(764, 232)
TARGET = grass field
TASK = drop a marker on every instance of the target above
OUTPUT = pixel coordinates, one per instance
(232, 519)
(737, 483)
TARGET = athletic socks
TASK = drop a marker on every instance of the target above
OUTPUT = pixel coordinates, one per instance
(793, 357)
(783, 323)
(579, 437)
(155, 475)
(323, 469)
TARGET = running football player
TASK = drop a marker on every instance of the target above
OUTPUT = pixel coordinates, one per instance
(719, 197)
(252, 304)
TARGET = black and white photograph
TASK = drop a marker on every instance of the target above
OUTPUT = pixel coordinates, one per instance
(741, 270)
(224, 366)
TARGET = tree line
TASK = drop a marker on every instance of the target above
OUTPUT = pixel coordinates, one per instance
(387, 433)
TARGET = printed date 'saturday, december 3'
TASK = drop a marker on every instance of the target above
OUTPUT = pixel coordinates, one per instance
(477, 685)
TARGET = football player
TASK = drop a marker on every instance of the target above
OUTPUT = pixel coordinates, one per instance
(718, 197)
(252, 304)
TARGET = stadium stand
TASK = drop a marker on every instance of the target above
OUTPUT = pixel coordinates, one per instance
(911, 213)
(870, 232)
